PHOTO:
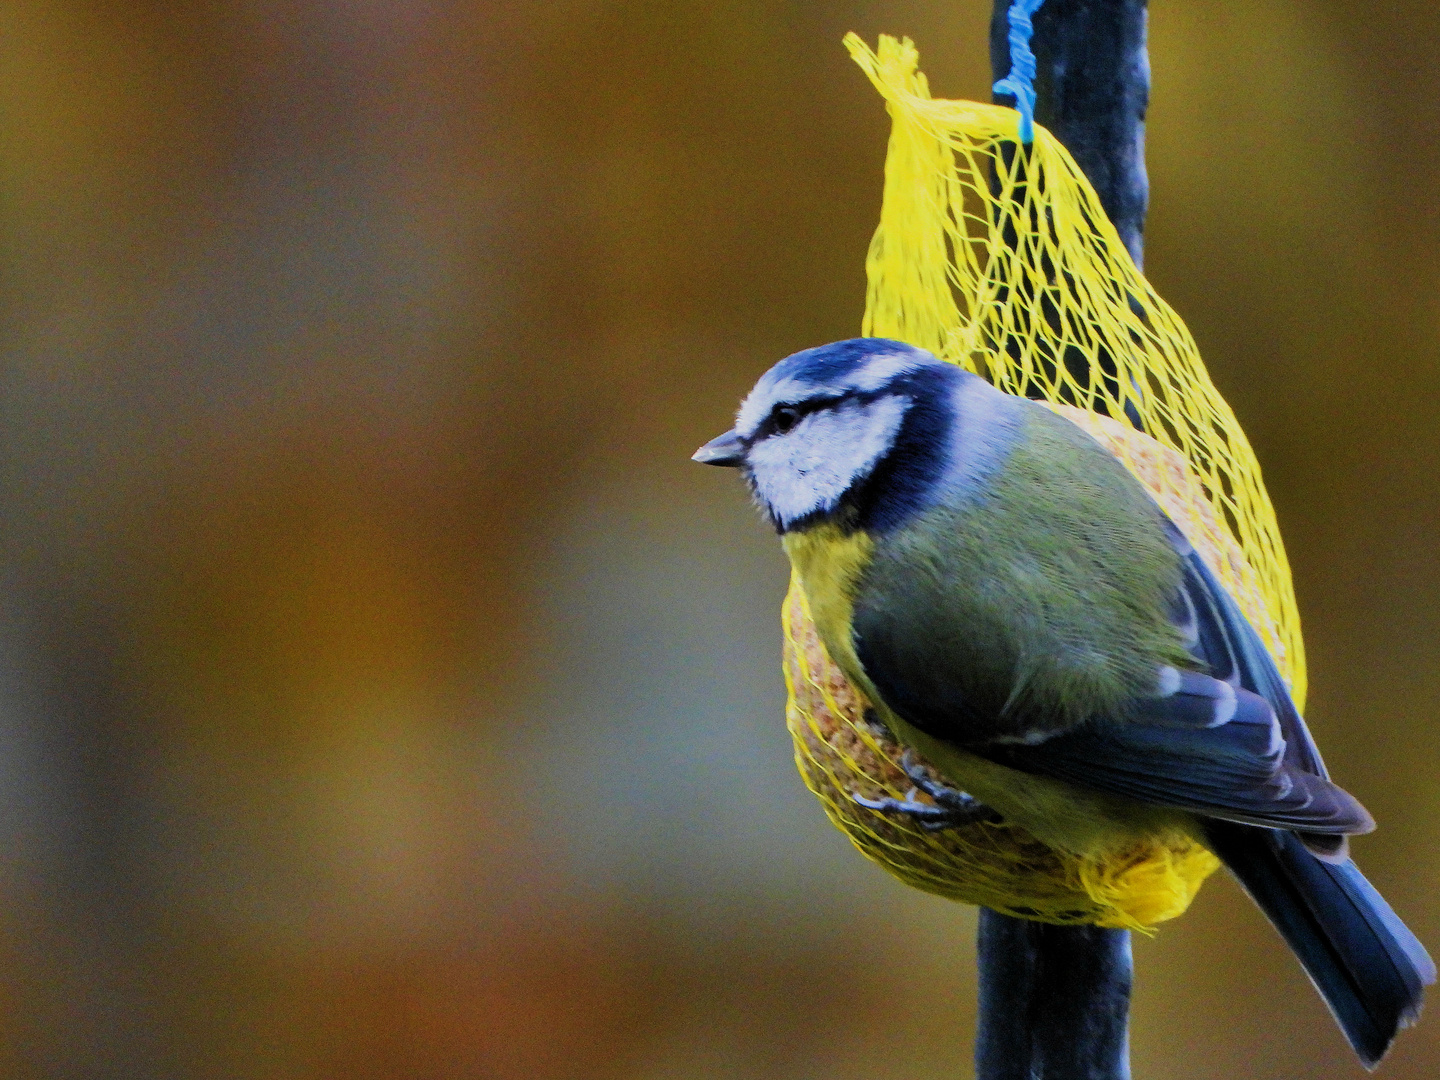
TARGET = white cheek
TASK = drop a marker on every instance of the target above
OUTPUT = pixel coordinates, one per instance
(808, 469)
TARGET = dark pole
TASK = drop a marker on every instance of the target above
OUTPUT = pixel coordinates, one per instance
(1092, 84)
(1055, 1000)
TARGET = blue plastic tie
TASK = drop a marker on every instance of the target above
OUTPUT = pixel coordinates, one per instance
(1020, 83)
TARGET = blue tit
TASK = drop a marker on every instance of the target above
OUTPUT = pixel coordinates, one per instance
(1019, 611)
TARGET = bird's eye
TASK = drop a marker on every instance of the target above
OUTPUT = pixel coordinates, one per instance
(786, 417)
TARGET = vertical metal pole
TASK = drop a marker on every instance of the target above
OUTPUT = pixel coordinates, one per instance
(1055, 1000)
(1092, 85)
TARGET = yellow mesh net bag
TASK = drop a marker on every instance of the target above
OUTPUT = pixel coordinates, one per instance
(998, 257)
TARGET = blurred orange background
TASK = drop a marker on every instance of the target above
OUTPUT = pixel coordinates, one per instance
(385, 692)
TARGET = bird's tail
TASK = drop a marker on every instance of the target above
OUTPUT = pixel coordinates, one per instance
(1368, 966)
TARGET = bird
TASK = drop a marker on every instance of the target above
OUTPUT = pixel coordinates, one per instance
(1018, 610)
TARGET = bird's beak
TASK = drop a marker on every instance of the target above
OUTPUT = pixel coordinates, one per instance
(727, 449)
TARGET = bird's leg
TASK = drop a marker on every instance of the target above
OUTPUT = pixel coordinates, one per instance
(951, 807)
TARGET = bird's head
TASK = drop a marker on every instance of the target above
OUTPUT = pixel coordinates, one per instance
(820, 423)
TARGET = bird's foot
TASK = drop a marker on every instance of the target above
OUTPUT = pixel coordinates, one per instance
(950, 809)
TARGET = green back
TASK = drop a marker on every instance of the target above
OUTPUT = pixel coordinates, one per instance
(1037, 603)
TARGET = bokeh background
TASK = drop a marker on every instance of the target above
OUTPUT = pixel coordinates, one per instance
(383, 693)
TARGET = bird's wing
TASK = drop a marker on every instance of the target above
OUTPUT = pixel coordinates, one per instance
(1224, 641)
(1209, 748)
(1229, 744)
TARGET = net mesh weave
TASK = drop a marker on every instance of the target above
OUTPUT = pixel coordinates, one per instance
(998, 257)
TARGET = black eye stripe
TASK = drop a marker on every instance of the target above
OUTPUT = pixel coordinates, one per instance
(786, 415)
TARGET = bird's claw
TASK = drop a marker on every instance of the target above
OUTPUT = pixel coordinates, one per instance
(947, 797)
(951, 808)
